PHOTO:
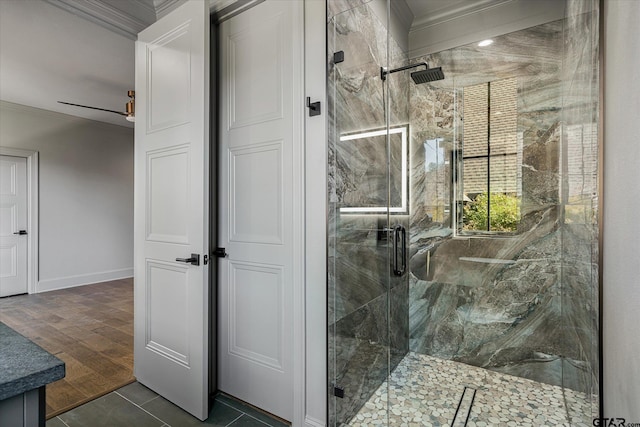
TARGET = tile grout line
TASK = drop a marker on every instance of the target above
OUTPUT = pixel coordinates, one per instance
(248, 415)
(236, 419)
(135, 404)
(150, 400)
(62, 421)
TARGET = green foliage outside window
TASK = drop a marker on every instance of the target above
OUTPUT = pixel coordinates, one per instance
(505, 213)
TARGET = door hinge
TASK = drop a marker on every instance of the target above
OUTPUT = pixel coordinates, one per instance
(338, 57)
(338, 392)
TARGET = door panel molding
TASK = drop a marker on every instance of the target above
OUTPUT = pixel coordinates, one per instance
(256, 216)
(173, 95)
(259, 100)
(162, 298)
(245, 328)
(170, 197)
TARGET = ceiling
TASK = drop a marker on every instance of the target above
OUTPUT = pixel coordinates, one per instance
(82, 51)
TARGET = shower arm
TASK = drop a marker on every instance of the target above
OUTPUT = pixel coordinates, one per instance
(384, 72)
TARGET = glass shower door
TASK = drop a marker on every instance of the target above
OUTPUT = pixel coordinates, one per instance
(368, 287)
(359, 242)
(437, 315)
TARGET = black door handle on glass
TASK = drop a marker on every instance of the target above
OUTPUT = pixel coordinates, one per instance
(399, 242)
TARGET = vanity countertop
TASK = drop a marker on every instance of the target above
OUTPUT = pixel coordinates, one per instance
(24, 365)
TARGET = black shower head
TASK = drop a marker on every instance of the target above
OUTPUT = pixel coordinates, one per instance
(428, 75)
(419, 77)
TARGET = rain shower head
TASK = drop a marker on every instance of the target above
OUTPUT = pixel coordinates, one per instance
(419, 77)
(428, 75)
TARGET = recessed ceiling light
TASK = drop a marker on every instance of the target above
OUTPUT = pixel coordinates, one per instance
(484, 43)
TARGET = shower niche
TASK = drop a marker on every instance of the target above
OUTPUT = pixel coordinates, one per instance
(489, 167)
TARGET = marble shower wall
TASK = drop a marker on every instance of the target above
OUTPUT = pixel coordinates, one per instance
(580, 256)
(368, 307)
(520, 304)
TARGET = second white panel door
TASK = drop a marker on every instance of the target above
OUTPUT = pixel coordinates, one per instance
(260, 202)
(13, 224)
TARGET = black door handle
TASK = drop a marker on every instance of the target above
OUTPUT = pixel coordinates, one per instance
(21, 232)
(399, 235)
(194, 260)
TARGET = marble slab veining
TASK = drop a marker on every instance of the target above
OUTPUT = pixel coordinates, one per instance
(24, 365)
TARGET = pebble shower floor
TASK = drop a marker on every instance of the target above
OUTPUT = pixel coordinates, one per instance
(436, 386)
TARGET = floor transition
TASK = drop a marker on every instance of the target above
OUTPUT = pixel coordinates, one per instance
(89, 327)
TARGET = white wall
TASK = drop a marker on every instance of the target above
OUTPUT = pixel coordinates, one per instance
(86, 194)
(621, 235)
(315, 410)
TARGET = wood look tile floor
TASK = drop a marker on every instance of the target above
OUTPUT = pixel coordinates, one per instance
(89, 327)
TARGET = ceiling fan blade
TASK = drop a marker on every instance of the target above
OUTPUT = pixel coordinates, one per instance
(94, 108)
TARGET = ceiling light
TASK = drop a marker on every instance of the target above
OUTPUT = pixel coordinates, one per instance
(486, 42)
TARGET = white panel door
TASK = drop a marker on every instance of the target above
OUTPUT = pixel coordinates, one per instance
(260, 202)
(171, 207)
(13, 221)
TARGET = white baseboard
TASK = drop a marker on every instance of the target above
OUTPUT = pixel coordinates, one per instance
(82, 279)
(313, 422)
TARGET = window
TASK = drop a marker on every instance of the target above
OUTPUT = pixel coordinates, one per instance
(487, 182)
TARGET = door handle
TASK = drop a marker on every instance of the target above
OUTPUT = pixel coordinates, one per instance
(194, 260)
(399, 236)
(21, 232)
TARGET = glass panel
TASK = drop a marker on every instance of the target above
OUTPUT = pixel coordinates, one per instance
(580, 284)
(361, 153)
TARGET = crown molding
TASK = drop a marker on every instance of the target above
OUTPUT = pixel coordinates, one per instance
(129, 17)
(105, 15)
(456, 12)
(126, 18)
(225, 9)
(162, 7)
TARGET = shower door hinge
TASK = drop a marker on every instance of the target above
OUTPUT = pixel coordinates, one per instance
(314, 107)
(338, 392)
(338, 57)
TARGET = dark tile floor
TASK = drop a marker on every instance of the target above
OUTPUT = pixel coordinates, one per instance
(136, 405)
